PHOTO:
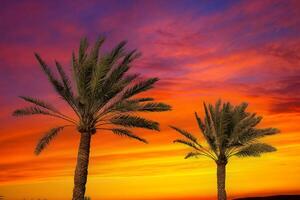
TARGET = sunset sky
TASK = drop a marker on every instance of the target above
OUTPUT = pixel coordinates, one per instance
(201, 50)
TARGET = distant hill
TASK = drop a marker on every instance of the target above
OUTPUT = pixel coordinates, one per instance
(277, 197)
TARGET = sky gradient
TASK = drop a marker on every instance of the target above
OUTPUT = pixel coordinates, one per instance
(201, 50)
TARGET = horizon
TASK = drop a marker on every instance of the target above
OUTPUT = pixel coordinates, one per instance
(239, 51)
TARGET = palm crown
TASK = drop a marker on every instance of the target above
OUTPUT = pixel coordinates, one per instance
(103, 95)
(229, 131)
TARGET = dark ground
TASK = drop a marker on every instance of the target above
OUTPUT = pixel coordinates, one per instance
(279, 197)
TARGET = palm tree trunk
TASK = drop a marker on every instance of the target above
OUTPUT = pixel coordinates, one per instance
(221, 175)
(81, 171)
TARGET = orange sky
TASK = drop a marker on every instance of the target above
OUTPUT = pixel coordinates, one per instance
(237, 51)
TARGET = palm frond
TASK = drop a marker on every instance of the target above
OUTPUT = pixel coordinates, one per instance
(83, 79)
(101, 70)
(126, 106)
(46, 139)
(118, 72)
(127, 133)
(40, 103)
(57, 85)
(244, 130)
(134, 121)
(192, 154)
(96, 49)
(64, 79)
(82, 51)
(190, 144)
(34, 110)
(155, 107)
(124, 92)
(104, 96)
(208, 137)
(68, 92)
(133, 105)
(201, 125)
(142, 99)
(209, 123)
(85, 68)
(186, 134)
(113, 81)
(75, 70)
(141, 87)
(117, 52)
(253, 134)
(207, 130)
(109, 106)
(265, 132)
(246, 123)
(225, 125)
(255, 150)
(215, 112)
(240, 111)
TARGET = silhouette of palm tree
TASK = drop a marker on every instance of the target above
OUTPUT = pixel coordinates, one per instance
(229, 131)
(103, 100)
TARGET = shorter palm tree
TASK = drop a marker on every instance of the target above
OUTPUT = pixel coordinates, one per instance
(229, 131)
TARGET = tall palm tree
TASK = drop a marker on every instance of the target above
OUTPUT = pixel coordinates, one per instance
(103, 100)
(229, 131)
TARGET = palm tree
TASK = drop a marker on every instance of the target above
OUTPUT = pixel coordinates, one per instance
(103, 100)
(229, 131)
